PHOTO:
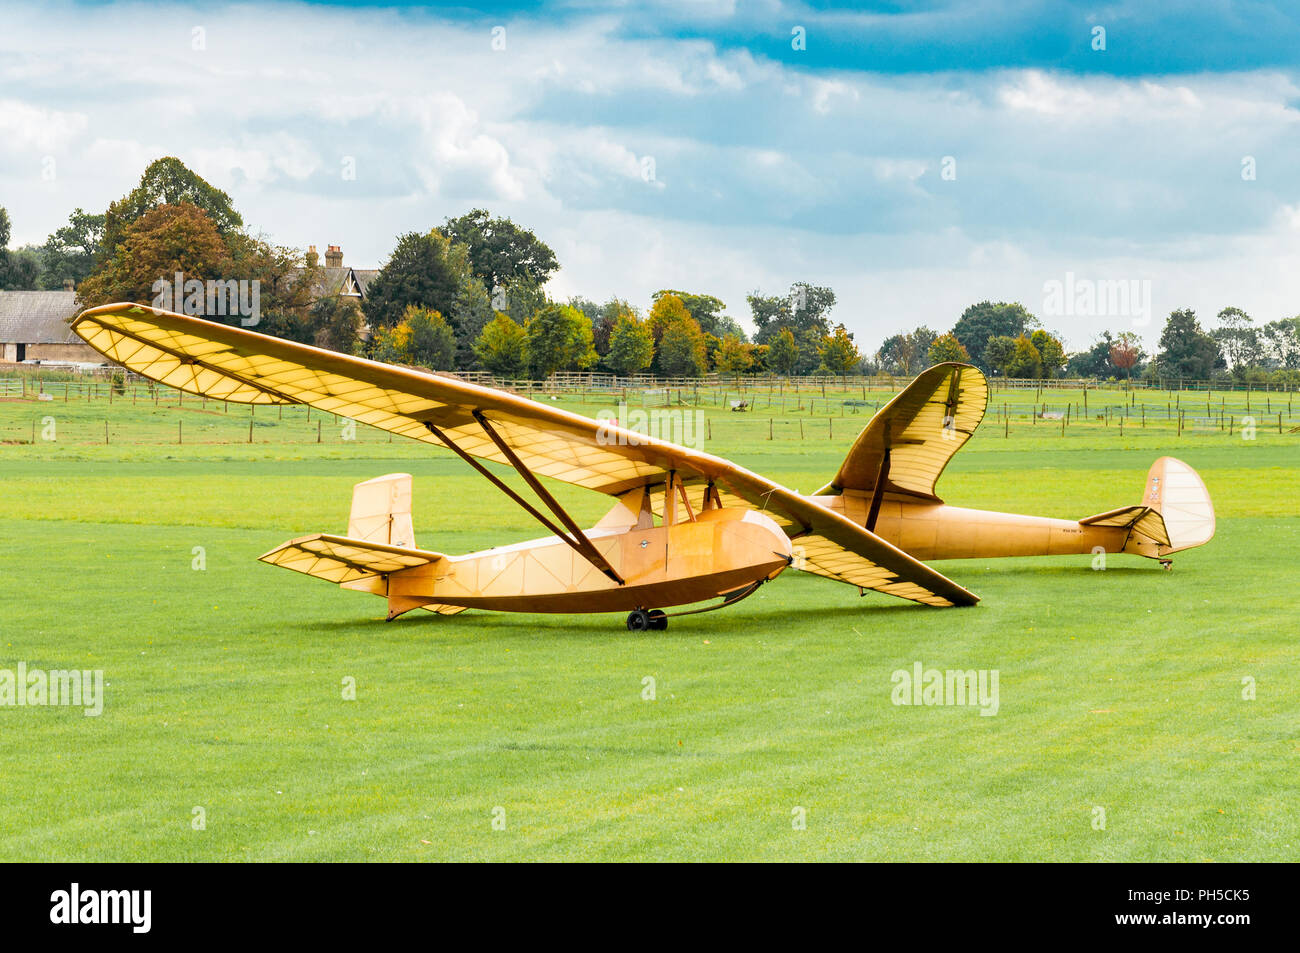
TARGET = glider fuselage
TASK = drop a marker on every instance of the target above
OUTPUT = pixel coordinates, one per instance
(717, 552)
(928, 530)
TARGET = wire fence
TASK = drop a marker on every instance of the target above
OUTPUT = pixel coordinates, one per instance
(140, 412)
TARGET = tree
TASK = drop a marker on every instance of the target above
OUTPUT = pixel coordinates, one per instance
(1186, 350)
(782, 352)
(501, 254)
(167, 182)
(838, 352)
(668, 309)
(1025, 359)
(559, 338)
(986, 320)
(1281, 339)
(803, 309)
(422, 337)
(70, 253)
(427, 270)
(286, 283)
(1050, 351)
(946, 348)
(20, 269)
(707, 312)
(432, 341)
(471, 311)
(502, 347)
(735, 356)
(681, 350)
(998, 353)
(631, 346)
(905, 354)
(1126, 353)
(1238, 340)
(153, 248)
(336, 323)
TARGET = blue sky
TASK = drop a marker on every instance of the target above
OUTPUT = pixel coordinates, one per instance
(914, 157)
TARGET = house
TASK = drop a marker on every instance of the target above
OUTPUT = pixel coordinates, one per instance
(34, 327)
(335, 278)
(34, 324)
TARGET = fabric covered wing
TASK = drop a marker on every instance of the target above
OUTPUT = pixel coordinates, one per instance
(912, 438)
(340, 559)
(228, 363)
(830, 545)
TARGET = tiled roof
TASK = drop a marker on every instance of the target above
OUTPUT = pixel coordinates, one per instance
(37, 317)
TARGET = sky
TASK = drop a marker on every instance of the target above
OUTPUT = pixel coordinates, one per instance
(915, 157)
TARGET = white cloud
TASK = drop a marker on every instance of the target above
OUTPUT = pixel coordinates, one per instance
(764, 174)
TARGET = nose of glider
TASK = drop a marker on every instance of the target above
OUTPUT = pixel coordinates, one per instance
(779, 542)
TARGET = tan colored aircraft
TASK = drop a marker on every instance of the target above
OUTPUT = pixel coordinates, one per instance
(686, 527)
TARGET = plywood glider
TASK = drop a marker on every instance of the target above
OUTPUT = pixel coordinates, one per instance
(229, 363)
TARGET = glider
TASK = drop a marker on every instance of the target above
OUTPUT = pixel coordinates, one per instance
(685, 527)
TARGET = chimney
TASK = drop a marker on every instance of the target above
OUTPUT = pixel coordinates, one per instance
(69, 285)
(333, 257)
(313, 259)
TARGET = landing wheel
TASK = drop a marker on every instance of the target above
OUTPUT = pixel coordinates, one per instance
(639, 620)
(1167, 565)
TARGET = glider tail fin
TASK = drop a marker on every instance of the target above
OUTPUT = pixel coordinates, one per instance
(381, 511)
(1175, 513)
(1177, 493)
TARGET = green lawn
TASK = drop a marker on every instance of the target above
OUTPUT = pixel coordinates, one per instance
(1119, 689)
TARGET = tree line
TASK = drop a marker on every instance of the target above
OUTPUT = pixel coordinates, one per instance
(470, 294)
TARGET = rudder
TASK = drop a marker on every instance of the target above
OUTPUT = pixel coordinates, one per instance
(381, 511)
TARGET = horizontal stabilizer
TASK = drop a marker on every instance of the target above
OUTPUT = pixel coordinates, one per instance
(1140, 520)
(340, 559)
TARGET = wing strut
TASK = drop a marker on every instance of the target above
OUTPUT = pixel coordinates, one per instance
(579, 541)
(878, 491)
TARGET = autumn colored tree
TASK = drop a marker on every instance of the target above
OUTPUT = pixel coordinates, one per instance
(422, 337)
(667, 309)
(1126, 352)
(167, 181)
(1051, 352)
(153, 248)
(1025, 359)
(946, 348)
(838, 352)
(735, 356)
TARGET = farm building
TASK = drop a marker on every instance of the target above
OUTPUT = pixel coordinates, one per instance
(34, 327)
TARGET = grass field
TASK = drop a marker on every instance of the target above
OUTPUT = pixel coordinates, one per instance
(1120, 689)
